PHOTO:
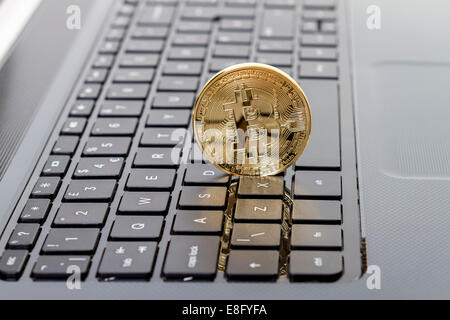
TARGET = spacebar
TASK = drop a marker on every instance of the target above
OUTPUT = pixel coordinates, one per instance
(323, 150)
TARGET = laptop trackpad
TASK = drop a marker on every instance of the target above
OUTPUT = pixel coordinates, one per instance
(413, 117)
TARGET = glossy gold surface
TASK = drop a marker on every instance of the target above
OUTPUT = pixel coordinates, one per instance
(252, 119)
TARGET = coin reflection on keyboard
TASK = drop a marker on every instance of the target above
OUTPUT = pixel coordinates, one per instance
(252, 119)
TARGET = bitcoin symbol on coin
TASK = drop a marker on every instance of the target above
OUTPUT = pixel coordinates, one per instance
(252, 120)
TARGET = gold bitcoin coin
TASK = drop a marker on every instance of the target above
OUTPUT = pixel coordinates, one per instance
(252, 119)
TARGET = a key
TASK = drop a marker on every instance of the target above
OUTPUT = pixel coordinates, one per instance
(275, 59)
(128, 91)
(227, 51)
(169, 118)
(163, 137)
(114, 127)
(56, 166)
(107, 147)
(89, 91)
(261, 187)
(252, 265)
(315, 265)
(319, 40)
(81, 215)
(261, 210)
(316, 237)
(276, 46)
(71, 241)
(234, 38)
(82, 108)
(318, 70)
(24, 236)
(203, 198)
(147, 46)
(278, 24)
(99, 168)
(255, 236)
(61, 267)
(318, 54)
(137, 228)
(187, 53)
(182, 68)
(109, 47)
(192, 258)
(236, 25)
(121, 109)
(90, 190)
(147, 33)
(178, 100)
(198, 222)
(151, 179)
(128, 260)
(139, 60)
(178, 84)
(316, 212)
(35, 211)
(131, 75)
(12, 264)
(74, 126)
(200, 40)
(65, 145)
(218, 64)
(157, 158)
(195, 27)
(315, 184)
(145, 203)
(159, 15)
(324, 149)
(46, 187)
(205, 175)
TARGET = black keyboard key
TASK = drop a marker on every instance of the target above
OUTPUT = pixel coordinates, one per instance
(121, 109)
(121, 22)
(200, 40)
(328, 27)
(129, 75)
(280, 4)
(144, 203)
(114, 127)
(319, 40)
(261, 210)
(236, 25)
(24, 236)
(256, 236)
(74, 126)
(90, 190)
(169, 118)
(205, 175)
(310, 27)
(199, 13)
(252, 265)
(195, 27)
(115, 34)
(104, 61)
(151, 179)
(97, 76)
(61, 267)
(318, 54)
(82, 108)
(203, 198)
(234, 38)
(71, 241)
(218, 64)
(35, 211)
(276, 46)
(107, 147)
(315, 184)
(139, 60)
(178, 84)
(315, 265)
(318, 70)
(278, 24)
(99, 168)
(157, 158)
(181, 68)
(264, 187)
(227, 51)
(81, 215)
(12, 264)
(319, 4)
(128, 91)
(188, 53)
(89, 91)
(128, 260)
(241, 3)
(65, 145)
(145, 46)
(163, 137)
(147, 33)
(322, 15)
(198, 222)
(160, 15)
(316, 212)
(174, 100)
(137, 228)
(316, 237)
(46, 187)
(275, 59)
(56, 166)
(192, 258)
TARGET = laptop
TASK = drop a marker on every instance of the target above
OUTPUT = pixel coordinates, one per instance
(100, 200)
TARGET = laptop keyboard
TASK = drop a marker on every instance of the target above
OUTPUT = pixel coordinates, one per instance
(125, 184)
